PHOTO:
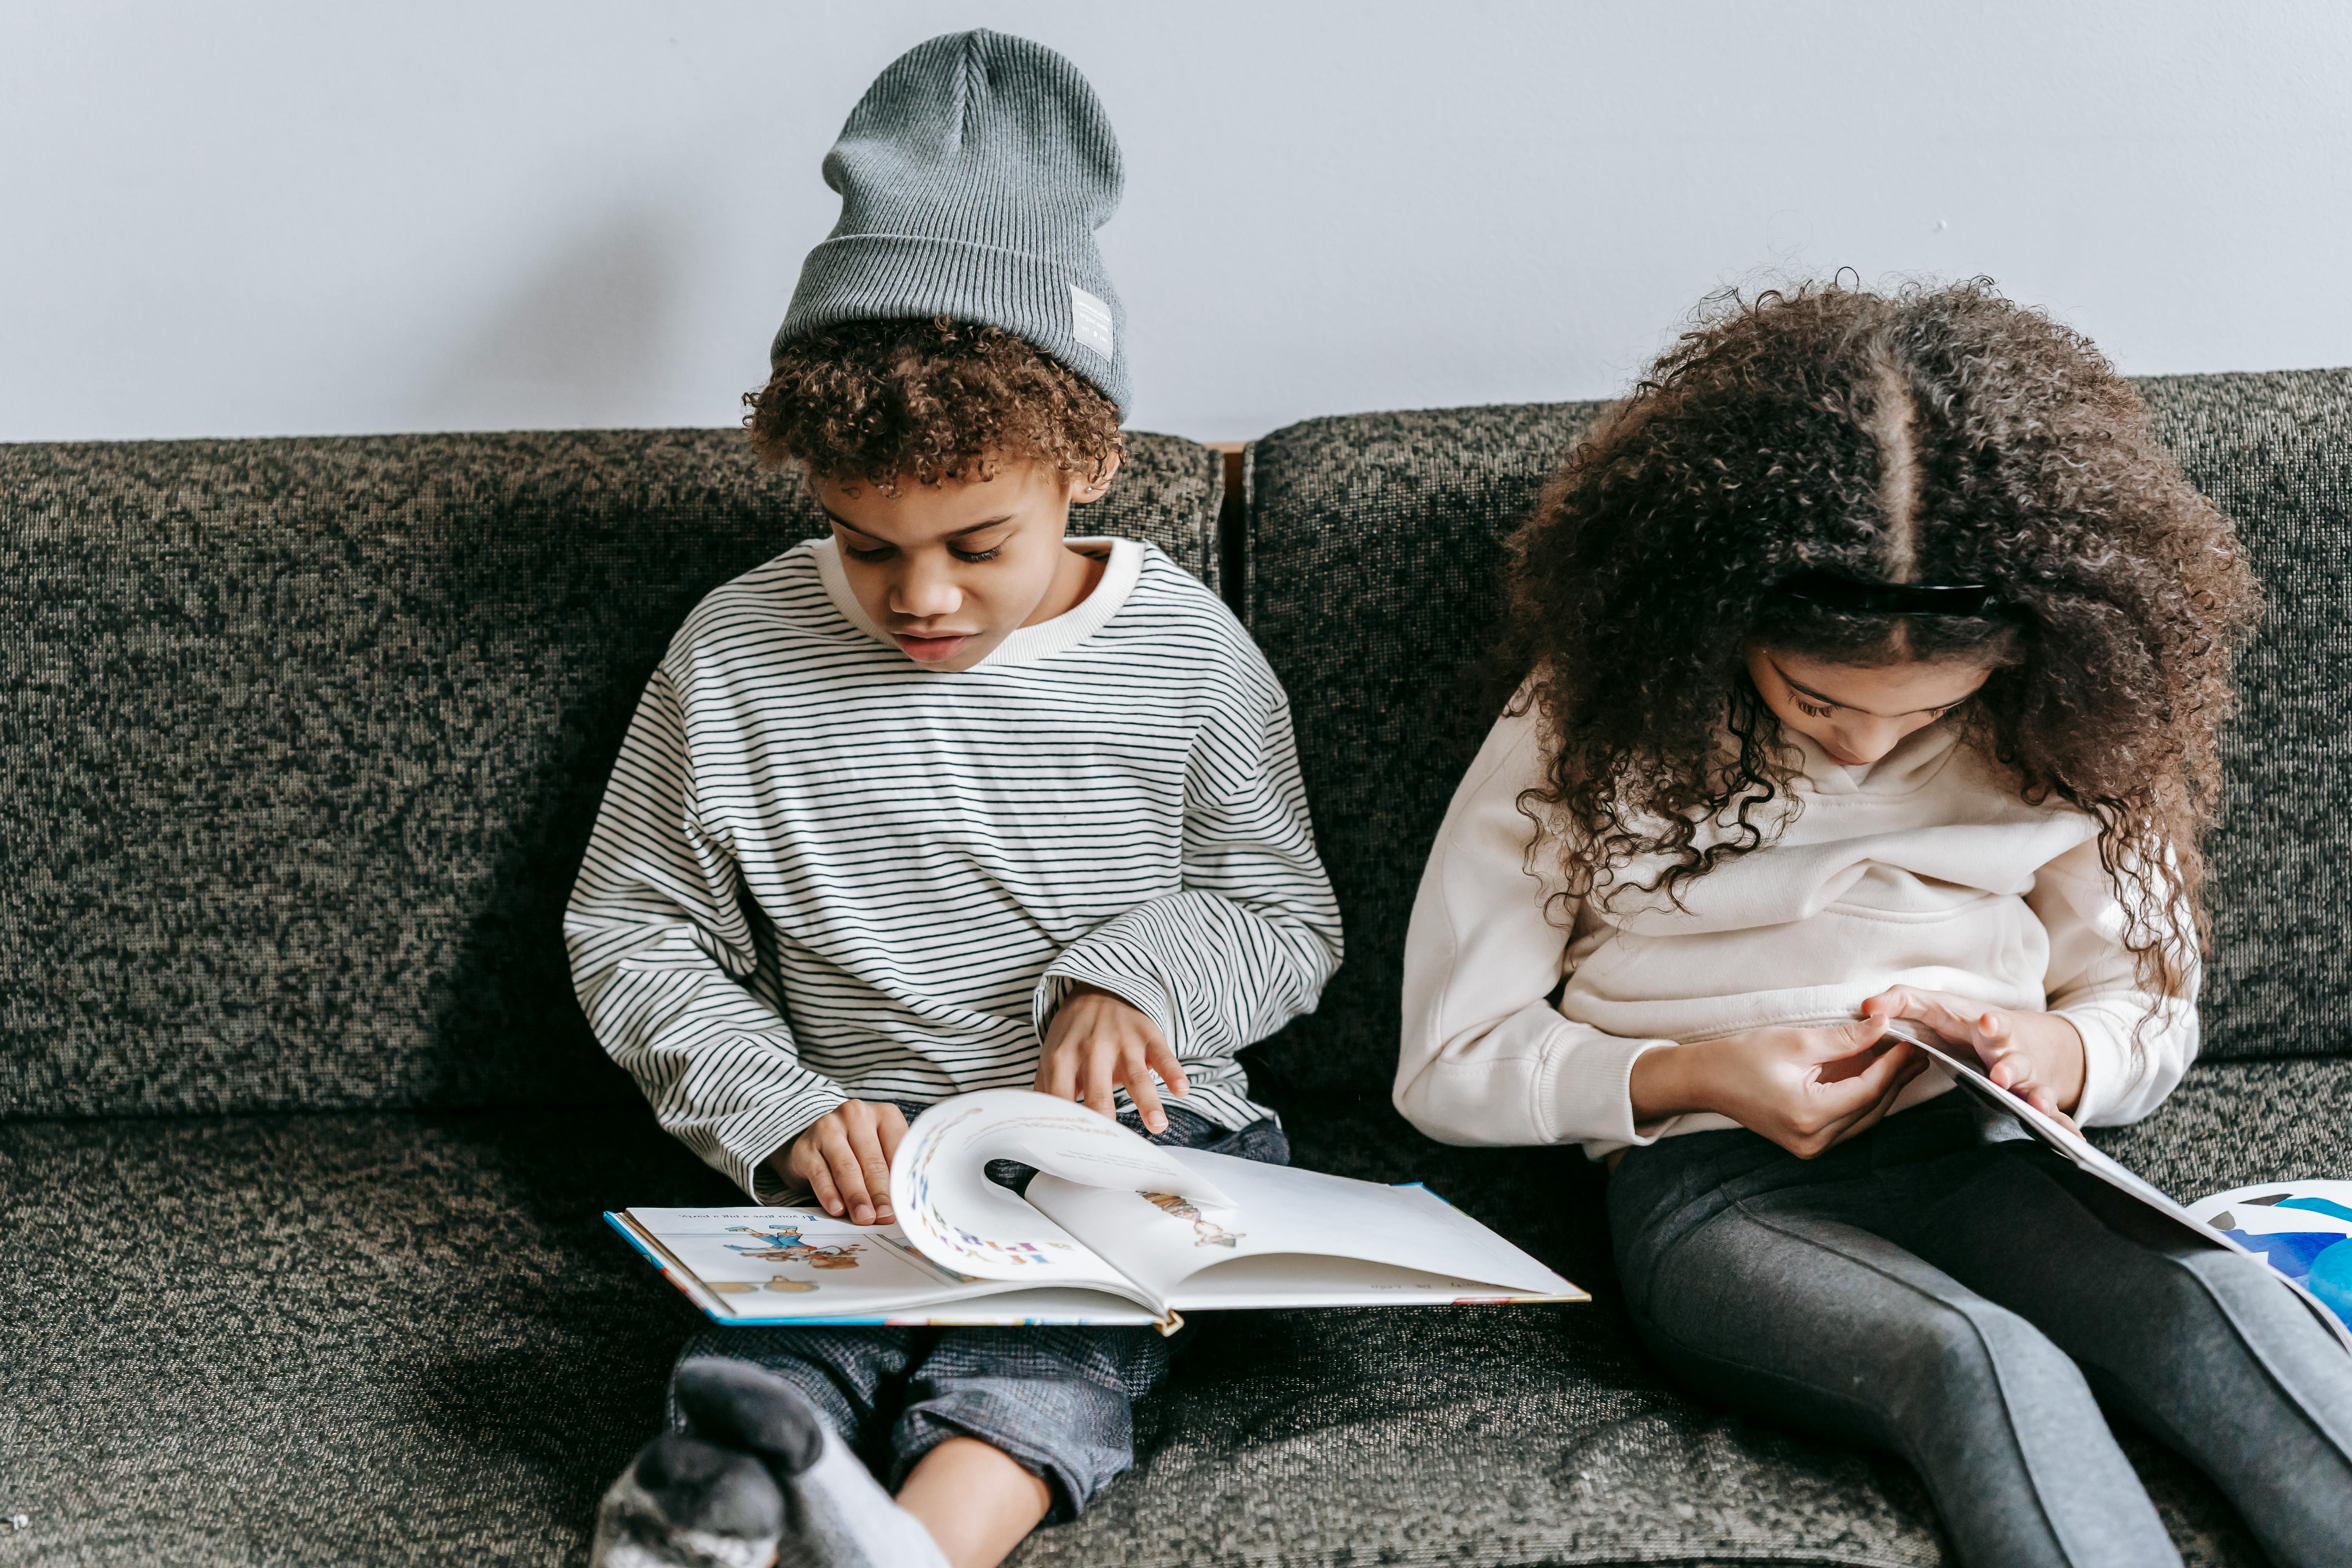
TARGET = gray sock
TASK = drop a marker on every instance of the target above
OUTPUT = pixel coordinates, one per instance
(837, 1515)
(686, 1503)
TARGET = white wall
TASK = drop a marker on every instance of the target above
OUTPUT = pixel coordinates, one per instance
(246, 219)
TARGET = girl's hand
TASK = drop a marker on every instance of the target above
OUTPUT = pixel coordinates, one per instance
(1098, 1042)
(2036, 1055)
(845, 1157)
(1805, 1090)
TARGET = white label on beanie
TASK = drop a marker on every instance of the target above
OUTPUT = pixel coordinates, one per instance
(1090, 322)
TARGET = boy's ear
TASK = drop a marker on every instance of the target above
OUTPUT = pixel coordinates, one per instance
(1083, 490)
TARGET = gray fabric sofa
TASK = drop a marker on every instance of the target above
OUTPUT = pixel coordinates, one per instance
(303, 1142)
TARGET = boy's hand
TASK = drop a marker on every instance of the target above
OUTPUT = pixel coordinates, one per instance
(2035, 1056)
(1805, 1090)
(845, 1157)
(1098, 1042)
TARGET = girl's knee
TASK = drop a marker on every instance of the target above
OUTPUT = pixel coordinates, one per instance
(1969, 1353)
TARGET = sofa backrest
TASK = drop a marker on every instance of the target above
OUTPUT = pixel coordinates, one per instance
(1371, 579)
(301, 740)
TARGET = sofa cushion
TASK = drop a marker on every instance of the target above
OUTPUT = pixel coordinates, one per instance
(2274, 452)
(1374, 546)
(302, 740)
(386, 1337)
(366, 1338)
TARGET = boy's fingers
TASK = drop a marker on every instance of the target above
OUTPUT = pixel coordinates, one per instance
(820, 1181)
(1161, 1058)
(874, 1166)
(851, 1179)
(1058, 1075)
(1100, 1089)
(877, 1182)
(890, 1123)
(1138, 1079)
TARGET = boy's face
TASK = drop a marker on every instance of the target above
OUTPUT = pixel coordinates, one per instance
(949, 569)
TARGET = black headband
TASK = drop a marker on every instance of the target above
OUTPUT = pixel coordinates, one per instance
(1833, 593)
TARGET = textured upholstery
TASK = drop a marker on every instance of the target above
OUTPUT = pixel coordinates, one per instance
(2274, 452)
(378, 1338)
(1374, 545)
(301, 740)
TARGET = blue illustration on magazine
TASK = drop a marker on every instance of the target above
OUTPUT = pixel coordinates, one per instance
(2301, 1229)
(782, 1243)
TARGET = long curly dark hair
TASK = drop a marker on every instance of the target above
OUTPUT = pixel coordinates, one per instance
(1930, 435)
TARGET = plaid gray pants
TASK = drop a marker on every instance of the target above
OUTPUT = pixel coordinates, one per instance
(1059, 1401)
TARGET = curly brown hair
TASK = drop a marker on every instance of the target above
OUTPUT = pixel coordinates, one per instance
(927, 399)
(1931, 434)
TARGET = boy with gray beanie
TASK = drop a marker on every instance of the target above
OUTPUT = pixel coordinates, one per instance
(944, 802)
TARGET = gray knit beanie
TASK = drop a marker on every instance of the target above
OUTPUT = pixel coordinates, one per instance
(973, 174)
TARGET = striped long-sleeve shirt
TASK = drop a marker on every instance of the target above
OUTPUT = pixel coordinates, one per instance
(822, 871)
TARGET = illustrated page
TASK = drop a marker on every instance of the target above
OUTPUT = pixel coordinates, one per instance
(790, 1262)
(790, 1265)
(2303, 1229)
(1165, 1239)
(966, 1223)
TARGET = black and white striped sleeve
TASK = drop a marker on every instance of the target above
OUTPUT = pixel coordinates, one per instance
(1253, 935)
(661, 954)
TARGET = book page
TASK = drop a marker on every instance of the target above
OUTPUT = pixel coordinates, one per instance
(964, 1222)
(2086, 1156)
(1972, 1081)
(784, 1266)
(766, 1263)
(1293, 1224)
(1298, 1280)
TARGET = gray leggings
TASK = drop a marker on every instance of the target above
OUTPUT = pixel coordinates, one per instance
(1955, 1298)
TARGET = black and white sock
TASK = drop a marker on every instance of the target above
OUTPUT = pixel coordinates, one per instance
(686, 1503)
(836, 1514)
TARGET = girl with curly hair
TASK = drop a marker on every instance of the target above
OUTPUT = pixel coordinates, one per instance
(1868, 660)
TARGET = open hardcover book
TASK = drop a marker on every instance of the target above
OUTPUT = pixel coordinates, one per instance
(1113, 1229)
(2210, 1224)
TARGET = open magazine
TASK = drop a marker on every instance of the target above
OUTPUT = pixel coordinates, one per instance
(1113, 1229)
(2213, 1222)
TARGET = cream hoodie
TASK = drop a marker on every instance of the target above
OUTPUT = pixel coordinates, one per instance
(1918, 869)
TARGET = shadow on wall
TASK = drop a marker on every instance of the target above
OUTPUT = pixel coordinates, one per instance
(575, 345)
